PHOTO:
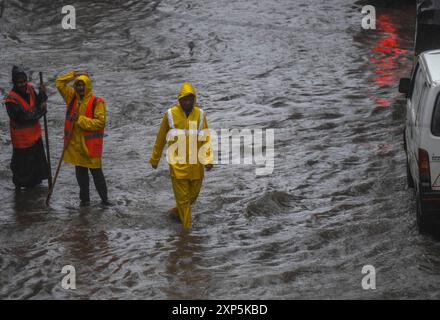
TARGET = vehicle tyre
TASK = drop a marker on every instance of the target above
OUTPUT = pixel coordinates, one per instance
(423, 222)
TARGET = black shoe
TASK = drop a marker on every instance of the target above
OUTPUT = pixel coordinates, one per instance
(106, 203)
(84, 203)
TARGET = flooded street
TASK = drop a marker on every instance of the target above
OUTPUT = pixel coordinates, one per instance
(337, 198)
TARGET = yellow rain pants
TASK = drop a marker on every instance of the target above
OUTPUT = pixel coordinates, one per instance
(185, 192)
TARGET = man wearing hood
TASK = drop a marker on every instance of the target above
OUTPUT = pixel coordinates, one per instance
(186, 122)
(86, 116)
(25, 108)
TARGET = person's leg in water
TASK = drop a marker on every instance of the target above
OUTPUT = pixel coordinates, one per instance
(195, 187)
(174, 213)
(82, 176)
(185, 192)
(183, 202)
(100, 185)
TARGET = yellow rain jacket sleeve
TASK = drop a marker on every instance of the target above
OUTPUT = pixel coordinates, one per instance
(187, 170)
(76, 152)
(161, 140)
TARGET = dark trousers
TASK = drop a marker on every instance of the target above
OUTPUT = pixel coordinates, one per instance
(82, 176)
(29, 166)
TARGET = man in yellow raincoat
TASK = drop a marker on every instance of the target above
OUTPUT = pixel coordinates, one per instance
(185, 127)
(84, 133)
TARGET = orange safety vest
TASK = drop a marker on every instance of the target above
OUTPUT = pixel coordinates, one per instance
(94, 139)
(24, 135)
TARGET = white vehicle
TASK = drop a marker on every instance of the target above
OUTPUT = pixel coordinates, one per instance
(422, 136)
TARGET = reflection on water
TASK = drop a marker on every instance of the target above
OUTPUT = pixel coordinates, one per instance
(388, 52)
(29, 207)
(185, 277)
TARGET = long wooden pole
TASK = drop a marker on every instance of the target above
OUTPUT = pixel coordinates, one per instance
(66, 144)
(46, 136)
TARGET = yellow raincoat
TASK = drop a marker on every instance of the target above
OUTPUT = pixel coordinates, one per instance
(186, 177)
(76, 152)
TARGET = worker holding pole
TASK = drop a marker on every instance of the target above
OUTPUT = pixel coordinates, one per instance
(83, 133)
(25, 107)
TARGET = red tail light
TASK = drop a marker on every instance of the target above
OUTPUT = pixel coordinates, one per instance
(424, 172)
